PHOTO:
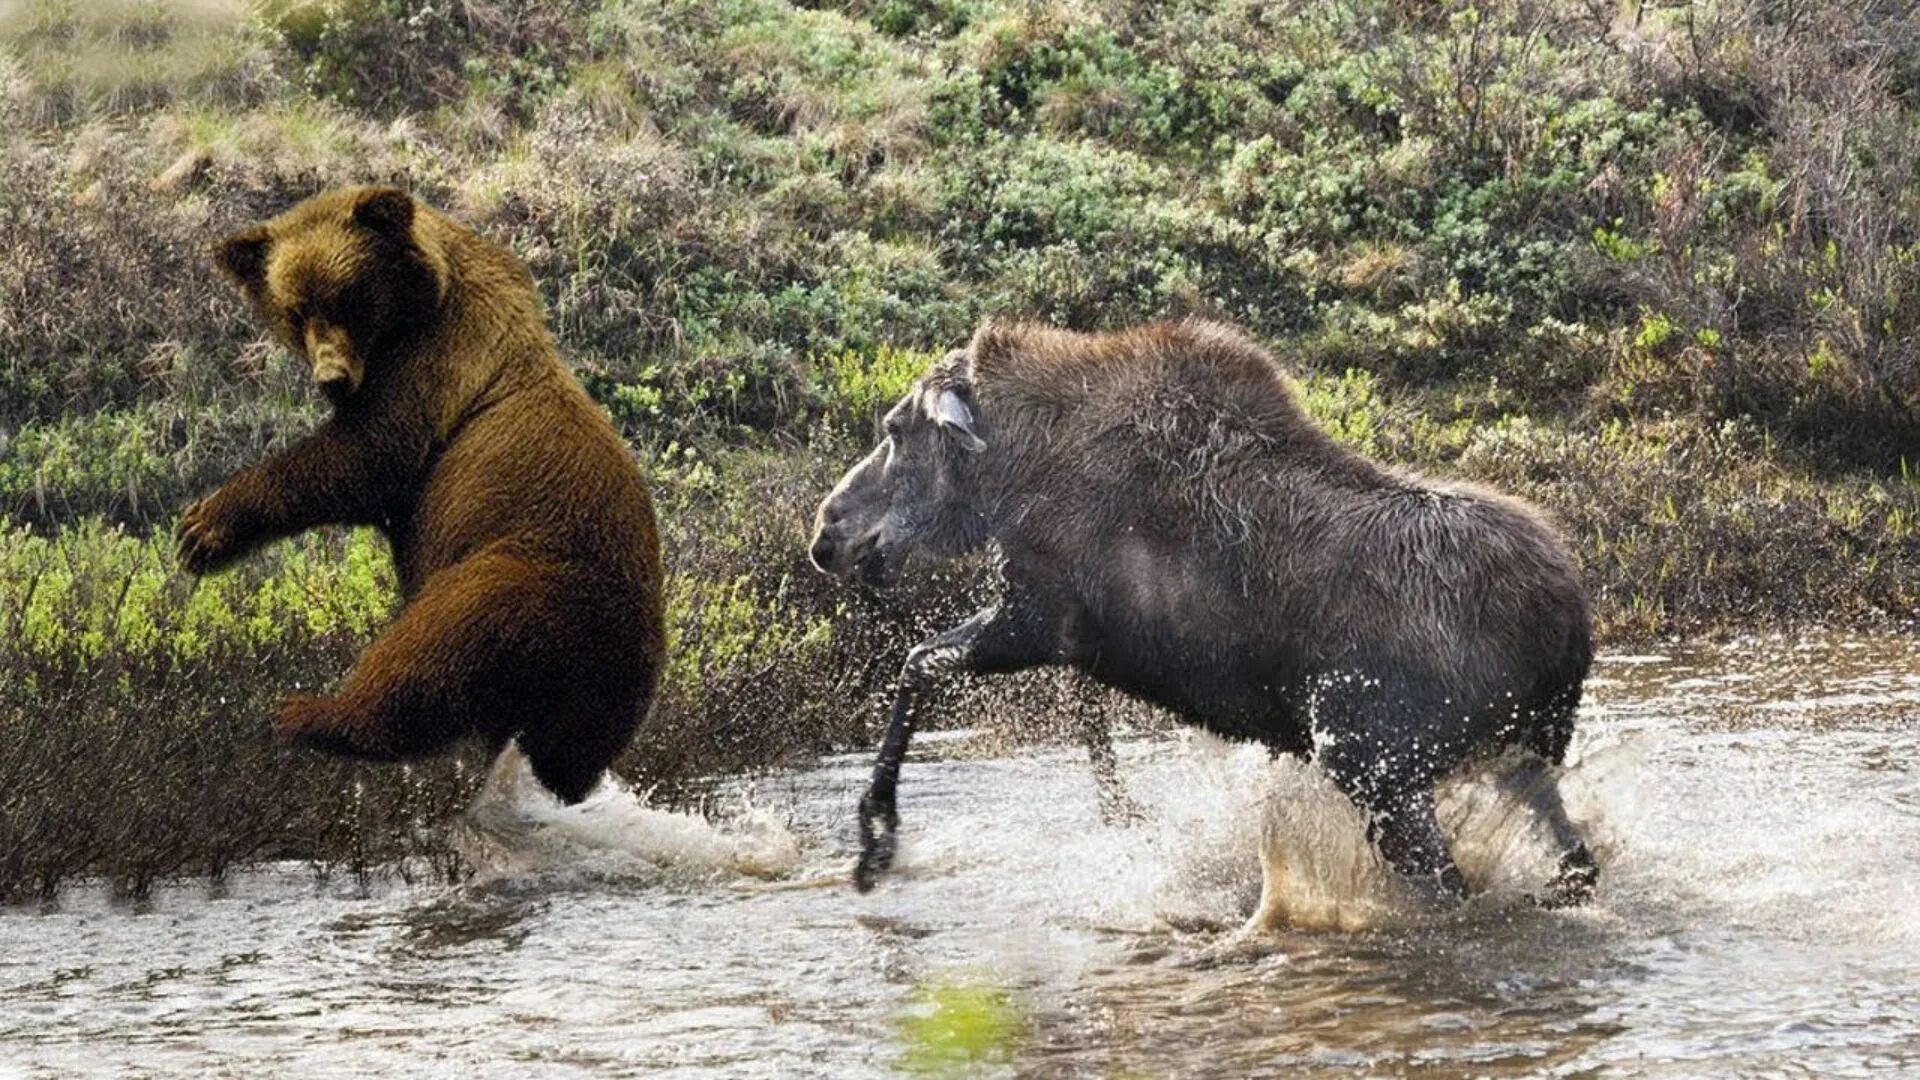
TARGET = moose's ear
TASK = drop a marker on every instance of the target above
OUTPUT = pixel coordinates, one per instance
(387, 211)
(951, 411)
(244, 258)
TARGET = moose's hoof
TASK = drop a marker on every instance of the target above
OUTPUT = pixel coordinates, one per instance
(877, 827)
(1121, 811)
(875, 857)
(866, 872)
(1575, 882)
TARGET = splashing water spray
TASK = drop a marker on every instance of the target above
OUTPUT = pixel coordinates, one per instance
(514, 827)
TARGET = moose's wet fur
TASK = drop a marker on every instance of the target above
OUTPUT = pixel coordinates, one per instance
(1173, 524)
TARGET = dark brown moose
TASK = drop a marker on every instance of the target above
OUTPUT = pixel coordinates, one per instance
(1172, 524)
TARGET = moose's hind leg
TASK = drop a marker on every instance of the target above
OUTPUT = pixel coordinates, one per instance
(1532, 784)
(1379, 760)
(1405, 831)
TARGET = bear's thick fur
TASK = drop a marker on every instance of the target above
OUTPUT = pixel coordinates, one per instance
(522, 529)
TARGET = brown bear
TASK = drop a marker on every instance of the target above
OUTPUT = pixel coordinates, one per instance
(521, 526)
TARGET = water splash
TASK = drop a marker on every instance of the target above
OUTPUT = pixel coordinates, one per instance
(1235, 837)
(1319, 872)
(514, 828)
(1756, 916)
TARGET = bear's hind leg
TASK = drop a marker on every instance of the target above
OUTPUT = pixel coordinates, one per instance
(441, 671)
(568, 754)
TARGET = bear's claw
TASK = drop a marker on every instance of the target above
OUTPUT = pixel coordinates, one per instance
(203, 543)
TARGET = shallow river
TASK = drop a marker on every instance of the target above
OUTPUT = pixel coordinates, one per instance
(1756, 807)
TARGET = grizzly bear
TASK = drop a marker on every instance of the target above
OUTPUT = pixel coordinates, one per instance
(521, 527)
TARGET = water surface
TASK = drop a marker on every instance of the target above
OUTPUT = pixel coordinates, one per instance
(1756, 806)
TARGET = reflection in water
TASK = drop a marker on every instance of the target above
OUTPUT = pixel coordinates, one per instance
(1757, 807)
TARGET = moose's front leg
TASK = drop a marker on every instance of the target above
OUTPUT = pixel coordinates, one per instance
(1002, 638)
(1096, 734)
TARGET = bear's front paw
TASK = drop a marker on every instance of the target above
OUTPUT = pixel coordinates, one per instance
(207, 539)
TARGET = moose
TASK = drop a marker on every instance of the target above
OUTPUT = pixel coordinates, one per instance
(1171, 522)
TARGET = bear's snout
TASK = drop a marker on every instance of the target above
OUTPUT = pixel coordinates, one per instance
(335, 371)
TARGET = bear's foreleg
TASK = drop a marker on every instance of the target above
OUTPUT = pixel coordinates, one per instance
(330, 477)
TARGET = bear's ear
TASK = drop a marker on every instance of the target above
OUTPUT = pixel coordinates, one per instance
(387, 211)
(244, 258)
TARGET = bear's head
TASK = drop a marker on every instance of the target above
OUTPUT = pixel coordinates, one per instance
(344, 279)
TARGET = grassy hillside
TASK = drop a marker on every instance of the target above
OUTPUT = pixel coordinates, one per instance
(1652, 266)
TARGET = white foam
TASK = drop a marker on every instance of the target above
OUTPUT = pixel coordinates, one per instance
(1206, 802)
(1219, 818)
(1229, 832)
(1319, 871)
(515, 827)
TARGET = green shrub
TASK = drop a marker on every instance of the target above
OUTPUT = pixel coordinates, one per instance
(857, 389)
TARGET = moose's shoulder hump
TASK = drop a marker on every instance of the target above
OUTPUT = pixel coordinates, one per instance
(1031, 353)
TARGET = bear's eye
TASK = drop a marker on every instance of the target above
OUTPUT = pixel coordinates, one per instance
(893, 428)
